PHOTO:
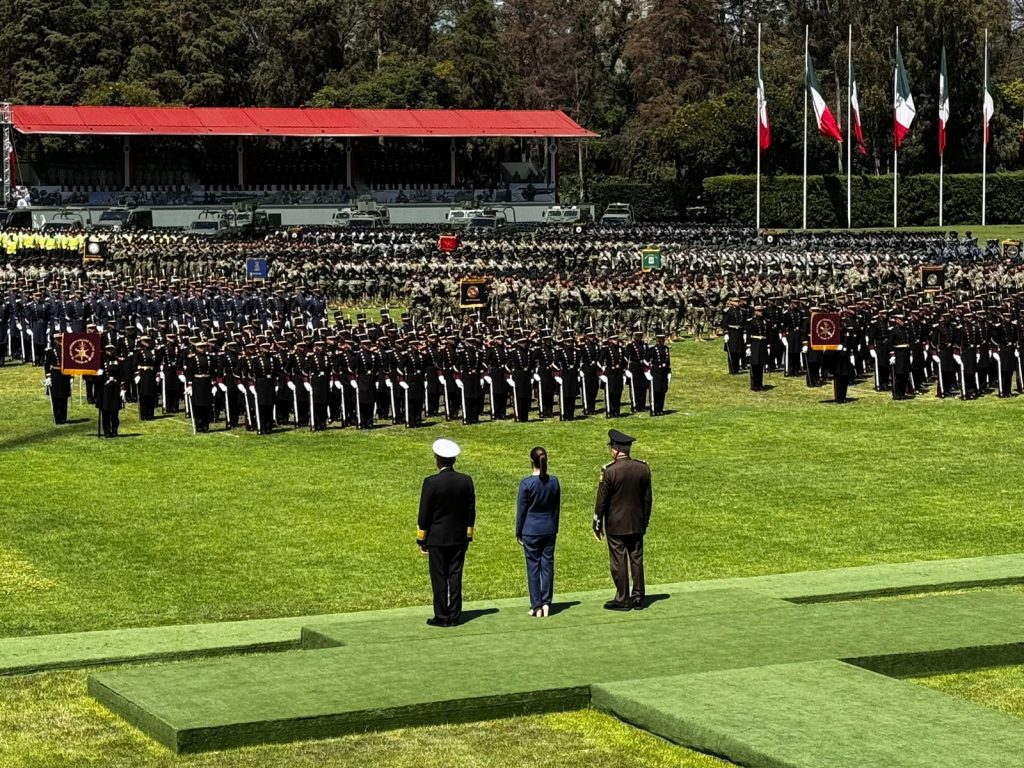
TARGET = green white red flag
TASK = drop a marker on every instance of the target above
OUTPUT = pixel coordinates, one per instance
(827, 125)
(904, 102)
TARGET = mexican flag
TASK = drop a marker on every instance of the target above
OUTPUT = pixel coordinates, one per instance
(858, 132)
(827, 125)
(943, 102)
(988, 108)
(904, 106)
(764, 130)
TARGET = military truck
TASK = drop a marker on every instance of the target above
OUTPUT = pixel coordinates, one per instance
(617, 214)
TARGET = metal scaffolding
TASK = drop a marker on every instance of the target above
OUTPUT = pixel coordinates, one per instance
(6, 124)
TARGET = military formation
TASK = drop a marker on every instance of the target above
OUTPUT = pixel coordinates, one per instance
(261, 358)
(572, 325)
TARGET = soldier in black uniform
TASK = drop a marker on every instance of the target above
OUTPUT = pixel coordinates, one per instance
(200, 378)
(58, 386)
(757, 342)
(612, 366)
(264, 373)
(497, 358)
(567, 360)
(622, 513)
(544, 370)
(317, 370)
(637, 359)
(661, 372)
(899, 344)
(367, 366)
(590, 359)
(145, 375)
(444, 531)
(110, 391)
(733, 323)
(942, 343)
(412, 379)
(520, 366)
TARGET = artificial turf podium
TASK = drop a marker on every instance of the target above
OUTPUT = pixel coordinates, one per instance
(389, 672)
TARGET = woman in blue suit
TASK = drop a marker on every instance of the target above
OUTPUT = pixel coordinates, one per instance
(537, 509)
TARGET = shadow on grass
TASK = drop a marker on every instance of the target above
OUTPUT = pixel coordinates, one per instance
(557, 608)
(468, 616)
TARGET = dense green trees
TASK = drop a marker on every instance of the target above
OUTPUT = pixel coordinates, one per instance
(667, 83)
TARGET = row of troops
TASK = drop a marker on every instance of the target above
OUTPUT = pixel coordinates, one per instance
(356, 376)
(28, 318)
(966, 348)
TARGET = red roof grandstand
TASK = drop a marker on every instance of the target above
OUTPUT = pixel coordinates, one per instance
(262, 121)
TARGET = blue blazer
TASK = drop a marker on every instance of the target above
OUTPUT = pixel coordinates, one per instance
(538, 505)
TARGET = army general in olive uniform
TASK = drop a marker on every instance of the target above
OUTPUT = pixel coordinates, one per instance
(622, 514)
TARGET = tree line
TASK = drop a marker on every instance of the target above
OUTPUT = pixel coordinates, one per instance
(668, 84)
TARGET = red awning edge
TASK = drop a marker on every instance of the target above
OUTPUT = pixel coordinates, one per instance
(295, 121)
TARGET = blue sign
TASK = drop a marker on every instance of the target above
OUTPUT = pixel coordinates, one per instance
(256, 269)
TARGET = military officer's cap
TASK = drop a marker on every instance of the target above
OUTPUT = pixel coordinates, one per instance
(110, 346)
(446, 449)
(660, 333)
(619, 439)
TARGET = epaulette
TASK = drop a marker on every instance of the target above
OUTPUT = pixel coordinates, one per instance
(607, 465)
(639, 461)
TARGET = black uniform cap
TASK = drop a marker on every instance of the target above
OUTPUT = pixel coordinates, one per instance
(618, 439)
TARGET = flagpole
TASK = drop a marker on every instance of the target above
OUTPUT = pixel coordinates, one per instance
(806, 37)
(895, 154)
(984, 135)
(849, 127)
(757, 130)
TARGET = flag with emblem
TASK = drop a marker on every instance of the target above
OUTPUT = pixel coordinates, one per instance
(943, 102)
(80, 354)
(904, 101)
(764, 130)
(988, 107)
(827, 125)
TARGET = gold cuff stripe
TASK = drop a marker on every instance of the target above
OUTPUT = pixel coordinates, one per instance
(420, 534)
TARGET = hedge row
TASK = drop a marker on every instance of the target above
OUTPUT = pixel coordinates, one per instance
(651, 201)
(731, 200)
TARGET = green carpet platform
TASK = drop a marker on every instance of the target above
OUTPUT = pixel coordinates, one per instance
(815, 714)
(403, 673)
(19, 655)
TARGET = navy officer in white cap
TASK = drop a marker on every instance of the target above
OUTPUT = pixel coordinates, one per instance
(445, 530)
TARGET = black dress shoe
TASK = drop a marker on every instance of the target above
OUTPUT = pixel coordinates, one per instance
(437, 622)
(638, 605)
(611, 605)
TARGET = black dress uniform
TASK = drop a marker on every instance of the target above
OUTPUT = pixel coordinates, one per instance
(637, 358)
(367, 366)
(412, 379)
(732, 325)
(567, 359)
(899, 343)
(471, 368)
(590, 359)
(497, 359)
(757, 340)
(444, 530)
(110, 392)
(145, 374)
(661, 370)
(318, 372)
(57, 384)
(622, 514)
(612, 366)
(200, 376)
(520, 365)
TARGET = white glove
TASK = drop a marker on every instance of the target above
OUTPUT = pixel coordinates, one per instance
(188, 391)
(137, 378)
(354, 383)
(803, 349)
(309, 387)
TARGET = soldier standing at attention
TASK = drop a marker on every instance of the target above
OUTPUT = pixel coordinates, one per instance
(622, 513)
(757, 341)
(445, 530)
(661, 372)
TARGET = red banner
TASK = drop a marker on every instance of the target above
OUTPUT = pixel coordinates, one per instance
(826, 330)
(81, 354)
(448, 243)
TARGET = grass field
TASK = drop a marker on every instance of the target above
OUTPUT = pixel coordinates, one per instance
(161, 527)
